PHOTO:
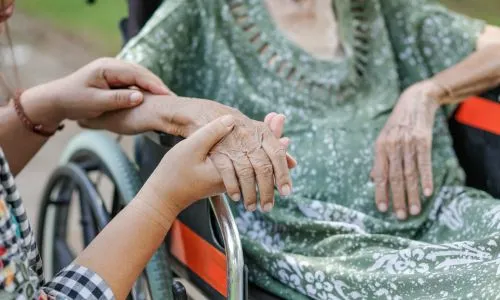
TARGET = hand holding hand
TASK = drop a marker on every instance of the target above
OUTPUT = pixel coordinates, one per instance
(103, 85)
(250, 155)
(186, 173)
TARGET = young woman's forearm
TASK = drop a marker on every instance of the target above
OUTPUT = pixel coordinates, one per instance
(476, 74)
(121, 251)
(19, 143)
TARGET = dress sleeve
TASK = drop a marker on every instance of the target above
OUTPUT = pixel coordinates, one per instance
(165, 39)
(426, 33)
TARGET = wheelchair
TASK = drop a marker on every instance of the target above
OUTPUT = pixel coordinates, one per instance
(203, 247)
(203, 250)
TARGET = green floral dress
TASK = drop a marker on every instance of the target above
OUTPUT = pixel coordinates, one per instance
(328, 241)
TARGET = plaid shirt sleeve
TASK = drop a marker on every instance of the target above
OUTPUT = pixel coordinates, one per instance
(77, 282)
(21, 272)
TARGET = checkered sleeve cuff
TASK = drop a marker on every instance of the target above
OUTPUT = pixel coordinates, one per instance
(80, 283)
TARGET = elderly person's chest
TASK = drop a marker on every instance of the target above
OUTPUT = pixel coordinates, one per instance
(263, 69)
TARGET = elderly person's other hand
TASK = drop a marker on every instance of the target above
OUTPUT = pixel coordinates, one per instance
(403, 151)
(250, 155)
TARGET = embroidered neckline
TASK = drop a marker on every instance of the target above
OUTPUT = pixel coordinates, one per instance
(292, 63)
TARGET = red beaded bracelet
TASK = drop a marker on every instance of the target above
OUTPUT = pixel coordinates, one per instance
(36, 128)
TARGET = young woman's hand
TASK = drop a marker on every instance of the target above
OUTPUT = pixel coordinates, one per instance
(101, 86)
(186, 173)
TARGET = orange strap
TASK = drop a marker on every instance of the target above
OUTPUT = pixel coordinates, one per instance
(199, 256)
(480, 113)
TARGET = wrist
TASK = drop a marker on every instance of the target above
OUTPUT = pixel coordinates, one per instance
(160, 199)
(434, 93)
(151, 213)
(438, 91)
(41, 106)
(176, 115)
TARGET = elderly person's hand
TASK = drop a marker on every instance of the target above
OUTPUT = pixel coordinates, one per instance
(250, 155)
(403, 151)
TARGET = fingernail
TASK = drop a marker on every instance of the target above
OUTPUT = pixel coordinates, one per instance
(414, 210)
(285, 190)
(401, 214)
(427, 192)
(267, 207)
(251, 207)
(135, 98)
(227, 120)
(382, 207)
(235, 197)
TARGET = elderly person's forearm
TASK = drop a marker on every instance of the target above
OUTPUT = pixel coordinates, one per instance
(476, 74)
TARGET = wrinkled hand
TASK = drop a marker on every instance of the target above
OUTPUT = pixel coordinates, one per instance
(403, 151)
(276, 122)
(251, 155)
(103, 86)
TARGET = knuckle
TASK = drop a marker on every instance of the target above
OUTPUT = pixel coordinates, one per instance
(223, 166)
(264, 169)
(279, 153)
(391, 143)
(379, 177)
(231, 187)
(412, 193)
(410, 140)
(245, 172)
(397, 204)
(282, 178)
(118, 98)
(101, 61)
(396, 179)
(411, 176)
(420, 139)
(380, 183)
(104, 63)
(266, 197)
(424, 144)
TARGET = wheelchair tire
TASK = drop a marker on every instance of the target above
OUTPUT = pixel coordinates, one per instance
(88, 152)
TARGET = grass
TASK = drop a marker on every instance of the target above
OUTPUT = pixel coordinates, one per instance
(488, 10)
(98, 23)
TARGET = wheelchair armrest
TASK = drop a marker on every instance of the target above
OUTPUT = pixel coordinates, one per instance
(475, 129)
(232, 247)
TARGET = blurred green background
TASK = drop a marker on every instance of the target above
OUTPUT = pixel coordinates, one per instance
(98, 23)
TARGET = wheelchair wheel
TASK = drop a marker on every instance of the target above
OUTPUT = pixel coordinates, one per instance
(95, 181)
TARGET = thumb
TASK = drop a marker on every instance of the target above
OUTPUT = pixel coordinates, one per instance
(205, 138)
(118, 99)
